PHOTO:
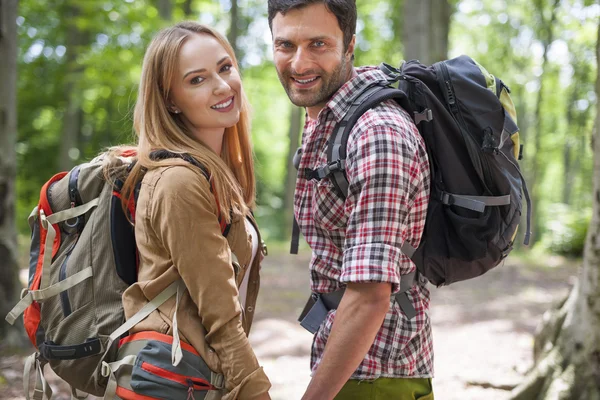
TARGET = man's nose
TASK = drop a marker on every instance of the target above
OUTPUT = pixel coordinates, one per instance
(302, 61)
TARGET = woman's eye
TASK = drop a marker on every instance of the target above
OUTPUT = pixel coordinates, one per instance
(226, 68)
(196, 80)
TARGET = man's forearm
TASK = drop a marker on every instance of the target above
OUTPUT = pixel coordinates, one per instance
(357, 321)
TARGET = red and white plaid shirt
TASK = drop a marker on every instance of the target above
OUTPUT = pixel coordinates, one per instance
(359, 239)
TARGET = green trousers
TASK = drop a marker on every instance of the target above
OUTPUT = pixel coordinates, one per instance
(387, 389)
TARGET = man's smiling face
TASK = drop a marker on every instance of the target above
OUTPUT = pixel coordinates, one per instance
(309, 54)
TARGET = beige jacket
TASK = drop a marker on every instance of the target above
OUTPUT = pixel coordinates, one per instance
(178, 236)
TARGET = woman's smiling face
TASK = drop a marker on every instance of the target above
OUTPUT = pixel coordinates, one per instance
(206, 87)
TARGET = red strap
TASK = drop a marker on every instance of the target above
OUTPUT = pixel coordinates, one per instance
(161, 337)
(127, 394)
(45, 205)
(129, 153)
(196, 383)
(31, 316)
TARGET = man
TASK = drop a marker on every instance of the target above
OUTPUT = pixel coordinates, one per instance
(368, 348)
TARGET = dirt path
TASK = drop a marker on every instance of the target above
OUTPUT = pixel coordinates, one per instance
(482, 330)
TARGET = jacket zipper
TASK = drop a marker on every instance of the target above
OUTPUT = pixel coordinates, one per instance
(188, 381)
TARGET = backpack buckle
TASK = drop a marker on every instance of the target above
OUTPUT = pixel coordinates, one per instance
(393, 73)
(337, 165)
(425, 115)
(446, 198)
(324, 172)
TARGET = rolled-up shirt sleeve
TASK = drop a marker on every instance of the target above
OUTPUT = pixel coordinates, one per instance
(384, 177)
(184, 218)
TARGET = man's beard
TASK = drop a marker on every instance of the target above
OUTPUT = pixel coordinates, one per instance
(330, 83)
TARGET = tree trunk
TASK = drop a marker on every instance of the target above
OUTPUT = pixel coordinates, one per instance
(77, 39)
(290, 180)
(234, 31)
(8, 170)
(187, 8)
(426, 27)
(165, 9)
(547, 38)
(567, 347)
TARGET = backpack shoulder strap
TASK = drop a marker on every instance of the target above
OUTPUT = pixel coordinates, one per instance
(336, 151)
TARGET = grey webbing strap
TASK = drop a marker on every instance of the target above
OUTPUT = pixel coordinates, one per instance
(406, 305)
(42, 389)
(295, 237)
(110, 370)
(75, 395)
(176, 352)
(217, 380)
(408, 250)
(475, 203)
(144, 312)
(332, 299)
(319, 305)
(46, 293)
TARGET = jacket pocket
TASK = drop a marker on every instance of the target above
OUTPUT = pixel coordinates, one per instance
(154, 376)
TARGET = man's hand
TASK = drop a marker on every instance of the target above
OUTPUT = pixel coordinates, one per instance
(357, 320)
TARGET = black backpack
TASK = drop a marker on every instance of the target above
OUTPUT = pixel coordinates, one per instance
(468, 122)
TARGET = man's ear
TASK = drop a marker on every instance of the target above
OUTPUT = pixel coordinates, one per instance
(350, 49)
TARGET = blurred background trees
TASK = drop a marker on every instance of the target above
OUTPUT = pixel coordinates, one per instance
(9, 285)
(79, 65)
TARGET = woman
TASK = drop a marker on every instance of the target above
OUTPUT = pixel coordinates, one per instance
(191, 104)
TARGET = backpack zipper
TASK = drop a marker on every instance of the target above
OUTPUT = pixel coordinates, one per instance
(62, 275)
(482, 167)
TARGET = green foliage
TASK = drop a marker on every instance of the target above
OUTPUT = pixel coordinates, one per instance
(92, 52)
(566, 230)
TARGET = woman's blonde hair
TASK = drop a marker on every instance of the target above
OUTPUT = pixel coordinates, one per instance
(232, 174)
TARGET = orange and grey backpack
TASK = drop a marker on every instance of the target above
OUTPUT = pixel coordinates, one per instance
(82, 258)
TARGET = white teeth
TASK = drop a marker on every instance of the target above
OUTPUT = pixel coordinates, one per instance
(223, 105)
(305, 81)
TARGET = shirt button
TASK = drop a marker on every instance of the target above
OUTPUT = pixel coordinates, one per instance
(250, 309)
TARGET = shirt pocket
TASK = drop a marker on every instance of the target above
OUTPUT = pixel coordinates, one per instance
(328, 207)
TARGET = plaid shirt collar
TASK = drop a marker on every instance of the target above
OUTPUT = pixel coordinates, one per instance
(341, 101)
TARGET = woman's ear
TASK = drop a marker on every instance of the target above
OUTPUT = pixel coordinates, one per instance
(172, 108)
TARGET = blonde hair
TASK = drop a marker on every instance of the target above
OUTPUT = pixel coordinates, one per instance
(231, 174)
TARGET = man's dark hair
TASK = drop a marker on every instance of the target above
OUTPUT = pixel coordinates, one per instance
(344, 11)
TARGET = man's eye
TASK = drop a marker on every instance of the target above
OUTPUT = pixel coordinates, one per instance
(285, 45)
(319, 43)
(196, 80)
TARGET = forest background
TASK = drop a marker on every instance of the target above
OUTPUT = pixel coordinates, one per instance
(78, 65)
